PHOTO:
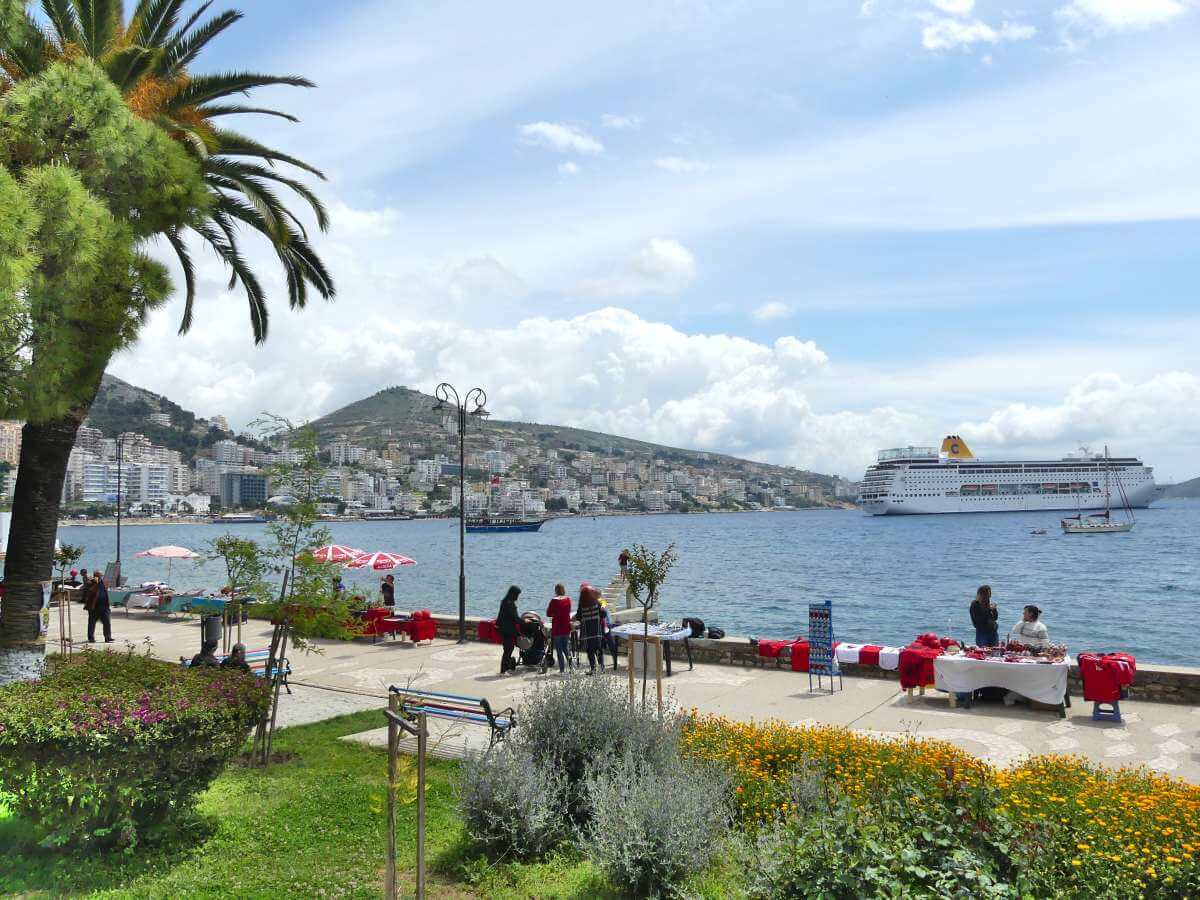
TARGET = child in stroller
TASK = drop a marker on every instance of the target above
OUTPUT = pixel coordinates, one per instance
(532, 640)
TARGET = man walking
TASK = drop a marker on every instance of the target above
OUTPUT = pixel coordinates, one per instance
(99, 610)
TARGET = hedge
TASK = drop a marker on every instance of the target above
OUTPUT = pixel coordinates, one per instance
(107, 748)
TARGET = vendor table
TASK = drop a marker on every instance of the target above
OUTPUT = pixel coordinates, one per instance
(667, 635)
(1045, 682)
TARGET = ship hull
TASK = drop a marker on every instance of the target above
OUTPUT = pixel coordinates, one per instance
(1139, 498)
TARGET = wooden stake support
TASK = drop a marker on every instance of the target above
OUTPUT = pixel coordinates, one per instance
(646, 641)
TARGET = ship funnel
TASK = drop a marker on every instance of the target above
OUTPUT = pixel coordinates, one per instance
(954, 447)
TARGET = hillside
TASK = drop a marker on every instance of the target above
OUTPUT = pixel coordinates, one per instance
(121, 406)
(1189, 490)
(400, 413)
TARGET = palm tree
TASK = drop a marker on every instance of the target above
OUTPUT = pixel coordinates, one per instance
(147, 57)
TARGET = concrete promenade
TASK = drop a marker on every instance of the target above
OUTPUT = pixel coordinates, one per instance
(350, 676)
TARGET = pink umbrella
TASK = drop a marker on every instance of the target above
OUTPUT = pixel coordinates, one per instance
(170, 553)
(381, 561)
(335, 553)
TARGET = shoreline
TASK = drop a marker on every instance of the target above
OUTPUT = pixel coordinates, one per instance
(158, 520)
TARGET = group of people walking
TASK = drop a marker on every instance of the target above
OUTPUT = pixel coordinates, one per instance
(590, 612)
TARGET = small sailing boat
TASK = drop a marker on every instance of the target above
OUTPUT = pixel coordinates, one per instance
(1102, 522)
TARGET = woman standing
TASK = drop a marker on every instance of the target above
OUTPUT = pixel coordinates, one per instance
(559, 612)
(590, 626)
(507, 624)
(984, 617)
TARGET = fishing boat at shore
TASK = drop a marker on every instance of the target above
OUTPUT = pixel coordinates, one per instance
(919, 480)
(487, 524)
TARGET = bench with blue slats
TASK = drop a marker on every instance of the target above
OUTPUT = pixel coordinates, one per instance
(456, 707)
(257, 660)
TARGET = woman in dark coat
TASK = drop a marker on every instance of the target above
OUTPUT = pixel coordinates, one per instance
(591, 629)
(507, 624)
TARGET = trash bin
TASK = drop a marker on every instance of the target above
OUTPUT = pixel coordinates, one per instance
(210, 629)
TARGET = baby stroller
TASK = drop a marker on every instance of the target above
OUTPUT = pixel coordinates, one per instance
(531, 640)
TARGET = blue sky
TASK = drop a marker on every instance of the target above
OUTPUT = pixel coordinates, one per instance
(797, 232)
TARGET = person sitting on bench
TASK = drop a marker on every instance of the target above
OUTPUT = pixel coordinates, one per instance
(207, 655)
(236, 659)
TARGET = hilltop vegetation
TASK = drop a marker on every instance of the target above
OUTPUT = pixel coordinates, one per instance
(400, 413)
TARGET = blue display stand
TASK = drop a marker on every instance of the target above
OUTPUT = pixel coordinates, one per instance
(821, 659)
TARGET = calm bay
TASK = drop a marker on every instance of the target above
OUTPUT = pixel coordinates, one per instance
(890, 578)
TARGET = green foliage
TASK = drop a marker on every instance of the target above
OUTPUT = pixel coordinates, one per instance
(65, 556)
(108, 747)
(507, 801)
(246, 569)
(651, 826)
(71, 114)
(309, 607)
(647, 571)
(892, 848)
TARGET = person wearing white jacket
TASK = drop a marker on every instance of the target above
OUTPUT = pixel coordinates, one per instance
(1030, 631)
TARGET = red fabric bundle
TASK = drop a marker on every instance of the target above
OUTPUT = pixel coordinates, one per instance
(1104, 675)
(488, 633)
(771, 649)
(916, 665)
(869, 655)
(800, 656)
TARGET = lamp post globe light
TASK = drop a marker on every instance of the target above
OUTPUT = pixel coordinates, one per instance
(448, 398)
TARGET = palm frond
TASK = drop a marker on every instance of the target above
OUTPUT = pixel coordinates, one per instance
(175, 239)
(195, 17)
(27, 53)
(185, 47)
(212, 110)
(226, 248)
(98, 23)
(126, 66)
(270, 212)
(204, 88)
(239, 168)
(153, 21)
(230, 143)
(63, 20)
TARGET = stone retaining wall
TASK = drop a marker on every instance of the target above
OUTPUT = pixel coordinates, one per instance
(1159, 684)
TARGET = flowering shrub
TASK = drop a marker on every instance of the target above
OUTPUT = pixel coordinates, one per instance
(108, 746)
(1053, 826)
(509, 803)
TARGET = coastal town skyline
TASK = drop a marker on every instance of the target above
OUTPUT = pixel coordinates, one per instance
(653, 221)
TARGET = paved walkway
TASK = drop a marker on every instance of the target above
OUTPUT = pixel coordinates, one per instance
(346, 677)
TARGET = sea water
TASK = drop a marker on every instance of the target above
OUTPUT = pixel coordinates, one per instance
(753, 574)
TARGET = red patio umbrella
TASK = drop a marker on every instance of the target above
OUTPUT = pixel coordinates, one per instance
(381, 560)
(335, 553)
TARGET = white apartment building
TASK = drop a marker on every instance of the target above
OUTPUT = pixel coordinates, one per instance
(343, 453)
(656, 501)
(10, 441)
(227, 453)
(160, 418)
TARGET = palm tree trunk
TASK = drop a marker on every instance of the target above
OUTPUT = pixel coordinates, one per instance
(45, 451)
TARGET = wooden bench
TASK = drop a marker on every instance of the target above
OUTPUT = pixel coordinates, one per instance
(456, 707)
(257, 660)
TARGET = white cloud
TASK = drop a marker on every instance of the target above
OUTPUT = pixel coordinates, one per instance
(563, 138)
(1122, 15)
(660, 266)
(1102, 407)
(768, 312)
(955, 7)
(948, 34)
(610, 120)
(568, 168)
(681, 165)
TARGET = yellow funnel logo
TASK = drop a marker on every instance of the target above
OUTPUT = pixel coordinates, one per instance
(954, 447)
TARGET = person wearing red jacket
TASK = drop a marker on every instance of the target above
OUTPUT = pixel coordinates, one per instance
(559, 612)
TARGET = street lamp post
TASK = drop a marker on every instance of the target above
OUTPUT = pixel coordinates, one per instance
(120, 471)
(447, 396)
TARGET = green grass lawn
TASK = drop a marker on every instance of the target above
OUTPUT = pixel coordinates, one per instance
(313, 826)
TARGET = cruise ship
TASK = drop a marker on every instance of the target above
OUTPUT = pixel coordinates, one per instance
(917, 480)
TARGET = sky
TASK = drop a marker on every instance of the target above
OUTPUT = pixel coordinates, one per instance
(793, 232)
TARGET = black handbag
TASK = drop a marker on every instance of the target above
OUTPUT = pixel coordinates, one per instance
(715, 634)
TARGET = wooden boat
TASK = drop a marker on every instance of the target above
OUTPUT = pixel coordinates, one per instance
(484, 525)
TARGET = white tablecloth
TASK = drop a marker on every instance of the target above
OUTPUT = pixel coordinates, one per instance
(659, 631)
(1044, 682)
